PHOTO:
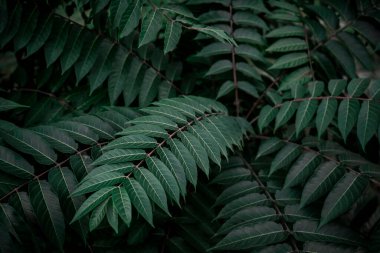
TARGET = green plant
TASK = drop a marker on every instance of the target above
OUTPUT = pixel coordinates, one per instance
(117, 134)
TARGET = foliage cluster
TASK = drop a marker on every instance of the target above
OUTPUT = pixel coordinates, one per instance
(189, 126)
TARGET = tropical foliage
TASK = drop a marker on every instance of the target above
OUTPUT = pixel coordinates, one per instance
(189, 126)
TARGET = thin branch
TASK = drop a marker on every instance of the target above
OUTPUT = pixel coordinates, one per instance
(59, 165)
(375, 182)
(274, 203)
(326, 97)
(170, 136)
(258, 101)
(63, 102)
(130, 51)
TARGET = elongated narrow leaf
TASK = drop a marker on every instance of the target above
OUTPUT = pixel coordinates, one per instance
(208, 142)
(252, 199)
(139, 199)
(237, 190)
(78, 131)
(57, 138)
(231, 176)
(294, 213)
(197, 150)
(123, 168)
(356, 47)
(305, 114)
(48, 211)
(56, 42)
(248, 217)
(321, 182)
(149, 87)
(155, 120)
(130, 18)
(325, 114)
(269, 146)
(64, 182)
(267, 114)
(112, 216)
(6, 105)
(153, 187)
(357, 86)
(14, 164)
(336, 86)
(120, 156)
(287, 45)
(302, 168)
(98, 215)
(166, 112)
(175, 166)
(145, 129)
(172, 35)
(93, 201)
(122, 204)
(100, 127)
(87, 57)
(252, 236)
(73, 48)
(285, 113)
(285, 157)
(347, 116)
(30, 143)
(39, 38)
(344, 194)
(166, 178)
(98, 182)
(81, 165)
(305, 230)
(290, 60)
(343, 57)
(219, 67)
(137, 141)
(151, 24)
(368, 121)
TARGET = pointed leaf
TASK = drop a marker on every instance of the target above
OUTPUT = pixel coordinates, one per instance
(321, 182)
(139, 199)
(368, 121)
(186, 159)
(30, 143)
(252, 236)
(93, 201)
(237, 190)
(165, 177)
(341, 198)
(285, 113)
(175, 166)
(98, 182)
(6, 105)
(151, 24)
(14, 164)
(153, 187)
(197, 150)
(122, 204)
(325, 114)
(305, 114)
(305, 230)
(347, 116)
(285, 157)
(172, 35)
(290, 60)
(48, 211)
(302, 168)
(267, 114)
